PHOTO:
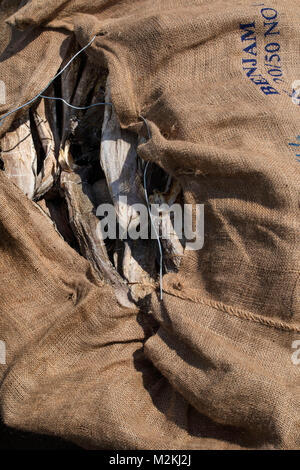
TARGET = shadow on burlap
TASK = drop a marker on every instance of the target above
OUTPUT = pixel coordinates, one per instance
(217, 373)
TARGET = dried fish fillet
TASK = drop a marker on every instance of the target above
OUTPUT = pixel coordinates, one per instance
(85, 224)
(19, 156)
(172, 245)
(119, 162)
(49, 171)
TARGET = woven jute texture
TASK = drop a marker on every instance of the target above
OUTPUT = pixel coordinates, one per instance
(214, 80)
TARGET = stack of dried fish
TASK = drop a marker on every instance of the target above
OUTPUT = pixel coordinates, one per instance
(69, 161)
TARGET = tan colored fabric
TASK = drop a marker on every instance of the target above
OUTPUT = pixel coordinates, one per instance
(217, 372)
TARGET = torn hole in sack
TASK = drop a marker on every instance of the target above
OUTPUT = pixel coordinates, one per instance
(70, 155)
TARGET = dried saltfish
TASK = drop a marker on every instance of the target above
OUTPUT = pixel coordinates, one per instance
(69, 80)
(49, 169)
(77, 93)
(119, 159)
(138, 267)
(172, 245)
(119, 163)
(79, 196)
(19, 156)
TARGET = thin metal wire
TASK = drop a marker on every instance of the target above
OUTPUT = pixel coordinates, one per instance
(88, 107)
(75, 107)
(151, 218)
(51, 81)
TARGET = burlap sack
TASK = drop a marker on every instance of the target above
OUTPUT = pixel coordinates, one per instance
(214, 80)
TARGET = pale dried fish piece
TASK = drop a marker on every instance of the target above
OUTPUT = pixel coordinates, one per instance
(19, 156)
(119, 162)
(82, 218)
(49, 171)
(118, 158)
(138, 267)
(172, 246)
